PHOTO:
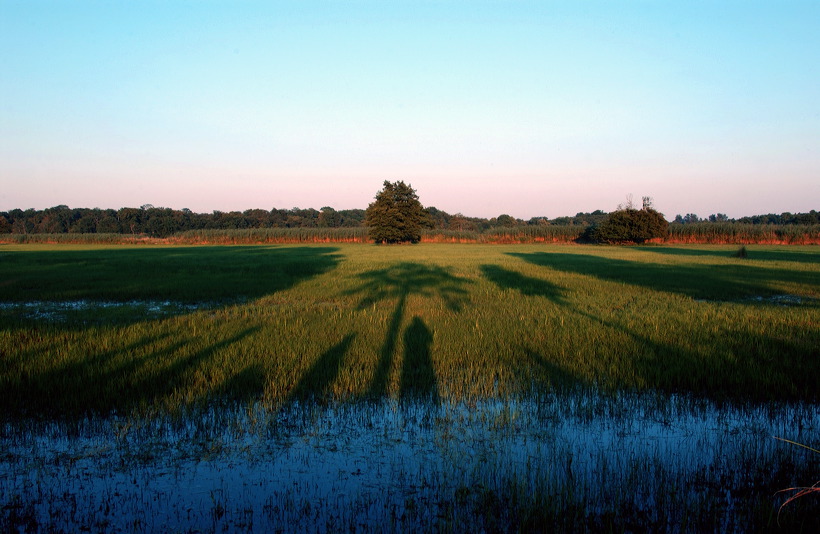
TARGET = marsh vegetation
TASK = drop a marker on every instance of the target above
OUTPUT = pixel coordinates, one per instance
(544, 374)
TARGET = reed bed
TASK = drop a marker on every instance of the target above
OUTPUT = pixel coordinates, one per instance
(740, 233)
(271, 235)
(73, 239)
(690, 233)
(517, 234)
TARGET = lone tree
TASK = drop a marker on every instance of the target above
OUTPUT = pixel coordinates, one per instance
(630, 225)
(396, 216)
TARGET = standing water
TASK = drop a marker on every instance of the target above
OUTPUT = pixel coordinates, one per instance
(583, 462)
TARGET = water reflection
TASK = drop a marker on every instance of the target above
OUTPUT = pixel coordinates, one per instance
(408, 465)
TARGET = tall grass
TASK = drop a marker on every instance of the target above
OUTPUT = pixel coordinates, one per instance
(518, 234)
(278, 323)
(202, 237)
(272, 235)
(72, 239)
(738, 233)
(703, 233)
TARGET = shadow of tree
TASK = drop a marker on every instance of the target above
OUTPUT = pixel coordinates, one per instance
(545, 370)
(182, 372)
(404, 279)
(729, 363)
(316, 384)
(139, 361)
(705, 282)
(507, 279)
(123, 378)
(398, 282)
(211, 274)
(418, 377)
(551, 374)
(768, 254)
(244, 386)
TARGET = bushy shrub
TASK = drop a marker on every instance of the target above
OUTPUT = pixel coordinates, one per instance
(630, 226)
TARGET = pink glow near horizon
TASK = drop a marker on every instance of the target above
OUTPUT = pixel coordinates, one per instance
(542, 109)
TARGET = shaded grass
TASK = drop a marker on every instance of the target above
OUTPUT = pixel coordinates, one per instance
(707, 281)
(186, 274)
(769, 254)
(437, 321)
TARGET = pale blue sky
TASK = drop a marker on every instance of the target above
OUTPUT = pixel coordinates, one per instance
(525, 108)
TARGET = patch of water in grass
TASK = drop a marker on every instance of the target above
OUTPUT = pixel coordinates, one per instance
(586, 461)
(781, 300)
(63, 310)
(785, 300)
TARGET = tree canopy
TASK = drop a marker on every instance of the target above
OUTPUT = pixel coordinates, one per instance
(396, 216)
(630, 225)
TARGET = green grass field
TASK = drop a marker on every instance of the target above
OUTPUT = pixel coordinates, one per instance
(80, 331)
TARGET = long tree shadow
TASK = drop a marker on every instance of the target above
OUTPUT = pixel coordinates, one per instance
(182, 372)
(244, 386)
(212, 275)
(706, 282)
(506, 279)
(784, 253)
(120, 379)
(547, 372)
(128, 371)
(730, 364)
(553, 375)
(418, 377)
(399, 282)
(316, 384)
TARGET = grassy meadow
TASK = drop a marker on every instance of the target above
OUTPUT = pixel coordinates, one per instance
(96, 329)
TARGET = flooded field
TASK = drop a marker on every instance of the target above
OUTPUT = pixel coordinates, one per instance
(445, 388)
(581, 462)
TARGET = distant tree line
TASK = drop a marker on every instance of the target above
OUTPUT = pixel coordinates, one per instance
(812, 217)
(164, 222)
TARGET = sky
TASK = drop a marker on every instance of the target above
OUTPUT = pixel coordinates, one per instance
(543, 108)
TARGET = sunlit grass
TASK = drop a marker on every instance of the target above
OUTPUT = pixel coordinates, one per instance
(346, 322)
